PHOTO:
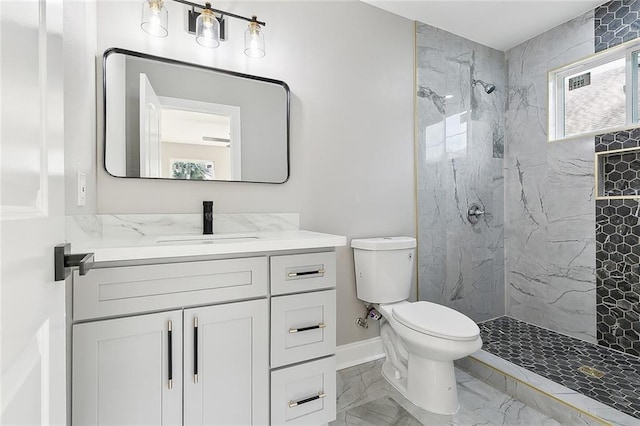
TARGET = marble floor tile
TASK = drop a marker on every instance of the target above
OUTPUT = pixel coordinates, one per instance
(382, 411)
(365, 398)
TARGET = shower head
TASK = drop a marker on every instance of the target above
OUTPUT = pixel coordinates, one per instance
(488, 87)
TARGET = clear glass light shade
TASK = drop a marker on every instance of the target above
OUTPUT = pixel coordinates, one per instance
(155, 18)
(254, 41)
(207, 29)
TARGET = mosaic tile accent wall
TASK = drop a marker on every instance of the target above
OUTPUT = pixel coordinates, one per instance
(616, 22)
(618, 246)
(620, 173)
(617, 229)
(618, 275)
(618, 140)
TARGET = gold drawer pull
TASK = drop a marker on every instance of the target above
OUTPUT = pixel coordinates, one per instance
(309, 399)
(301, 274)
(313, 327)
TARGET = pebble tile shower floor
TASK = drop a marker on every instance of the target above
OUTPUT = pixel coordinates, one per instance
(559, 358)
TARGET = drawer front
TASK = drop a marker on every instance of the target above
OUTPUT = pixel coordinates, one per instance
(133, 289)
(304, 394)
(303, 326)
(302, 272)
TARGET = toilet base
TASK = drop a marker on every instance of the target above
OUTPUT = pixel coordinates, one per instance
(431, 385)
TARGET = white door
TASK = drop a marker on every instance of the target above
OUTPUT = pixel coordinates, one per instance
(128, 371)
(230, 358)
(32, 305)
(150, 143)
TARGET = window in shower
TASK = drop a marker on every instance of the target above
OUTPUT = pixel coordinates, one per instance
(596, 95)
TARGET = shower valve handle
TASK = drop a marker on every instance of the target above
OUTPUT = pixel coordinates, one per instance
(473, 213)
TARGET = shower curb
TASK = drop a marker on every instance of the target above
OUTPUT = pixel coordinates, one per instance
(554, 400)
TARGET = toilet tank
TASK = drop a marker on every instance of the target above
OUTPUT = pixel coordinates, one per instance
(384, 268)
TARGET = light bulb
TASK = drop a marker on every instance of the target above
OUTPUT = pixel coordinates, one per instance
(155, 19)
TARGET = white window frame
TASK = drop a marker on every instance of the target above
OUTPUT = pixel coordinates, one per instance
(556, 80)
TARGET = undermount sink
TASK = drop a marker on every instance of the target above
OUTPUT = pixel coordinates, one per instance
(206, 239)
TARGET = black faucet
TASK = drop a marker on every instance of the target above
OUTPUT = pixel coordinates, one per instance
(207, 217)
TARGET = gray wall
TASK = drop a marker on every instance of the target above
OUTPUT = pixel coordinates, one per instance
(549, 195)
(79, 49)
(352, 150)
(459, 162)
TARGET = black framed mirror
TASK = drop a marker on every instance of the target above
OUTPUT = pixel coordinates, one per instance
(167, 119)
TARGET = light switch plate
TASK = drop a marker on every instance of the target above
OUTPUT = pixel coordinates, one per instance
(82, 189)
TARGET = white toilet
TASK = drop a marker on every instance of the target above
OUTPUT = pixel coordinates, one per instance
(421, 339)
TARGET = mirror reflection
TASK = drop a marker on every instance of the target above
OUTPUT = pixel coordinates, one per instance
(171, 120)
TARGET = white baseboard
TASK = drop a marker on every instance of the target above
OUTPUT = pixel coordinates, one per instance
(359, 352)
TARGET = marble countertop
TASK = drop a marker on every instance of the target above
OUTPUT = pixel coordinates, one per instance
(171, 246)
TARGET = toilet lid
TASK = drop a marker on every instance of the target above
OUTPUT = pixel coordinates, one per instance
(436, 320)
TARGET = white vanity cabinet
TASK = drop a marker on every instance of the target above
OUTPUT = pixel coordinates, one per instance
(130, 370)
(160, 368)
(227, 341)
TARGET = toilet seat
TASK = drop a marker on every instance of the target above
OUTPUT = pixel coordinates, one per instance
(436, 320)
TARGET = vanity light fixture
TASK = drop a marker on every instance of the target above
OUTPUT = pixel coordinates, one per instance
(208, 25)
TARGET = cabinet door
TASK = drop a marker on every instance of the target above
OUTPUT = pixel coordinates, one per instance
(226, 377)
(128, 371)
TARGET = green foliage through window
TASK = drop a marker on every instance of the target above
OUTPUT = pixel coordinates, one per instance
(192, 170)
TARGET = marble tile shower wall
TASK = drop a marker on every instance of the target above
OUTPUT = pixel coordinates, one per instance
(549, 193)
(460, 150)
(617, 229)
